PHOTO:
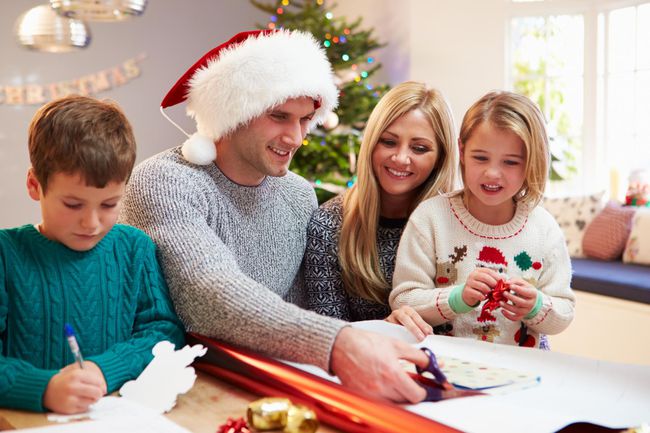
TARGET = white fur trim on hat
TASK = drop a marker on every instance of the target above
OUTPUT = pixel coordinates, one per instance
(199, 149)
(264, 71)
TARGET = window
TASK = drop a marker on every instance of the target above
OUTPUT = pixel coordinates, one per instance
(547, 66)
(624, 82)
(587, 64)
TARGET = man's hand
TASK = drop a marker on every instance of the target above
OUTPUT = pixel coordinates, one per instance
(73, 389)
(411, 320)
(369, 363)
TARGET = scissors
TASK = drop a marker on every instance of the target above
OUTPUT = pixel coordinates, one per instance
(438, 388)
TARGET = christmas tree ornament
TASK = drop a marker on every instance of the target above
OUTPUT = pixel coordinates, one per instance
(346, 75)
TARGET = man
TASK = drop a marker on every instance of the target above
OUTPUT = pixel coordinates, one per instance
(230, 220)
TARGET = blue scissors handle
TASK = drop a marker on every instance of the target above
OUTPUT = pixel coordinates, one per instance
(438, 388)
(433, 367)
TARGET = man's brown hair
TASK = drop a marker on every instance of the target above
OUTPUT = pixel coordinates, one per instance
(79, 134)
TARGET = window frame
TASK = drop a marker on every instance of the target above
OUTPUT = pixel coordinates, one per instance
(593, 166)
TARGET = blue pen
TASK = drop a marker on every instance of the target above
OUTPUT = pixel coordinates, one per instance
(74, 346)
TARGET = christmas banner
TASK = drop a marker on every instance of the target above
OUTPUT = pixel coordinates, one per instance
(91, 84)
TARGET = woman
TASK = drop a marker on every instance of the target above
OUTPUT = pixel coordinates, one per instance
(408, 154)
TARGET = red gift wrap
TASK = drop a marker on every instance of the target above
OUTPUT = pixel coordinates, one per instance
(335, 405)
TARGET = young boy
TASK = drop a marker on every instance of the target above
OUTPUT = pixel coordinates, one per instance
(78, 267)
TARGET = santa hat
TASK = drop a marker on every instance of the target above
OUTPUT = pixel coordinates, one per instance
(241, 79)
(491, 256)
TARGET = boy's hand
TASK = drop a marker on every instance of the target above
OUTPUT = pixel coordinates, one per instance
(92, 368)
(411, 320)
(479, 283)
(73, 389)
(521, 302)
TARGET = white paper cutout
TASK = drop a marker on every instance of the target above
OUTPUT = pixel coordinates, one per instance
(166, 376)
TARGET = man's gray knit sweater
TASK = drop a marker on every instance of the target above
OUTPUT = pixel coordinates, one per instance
(231, 254)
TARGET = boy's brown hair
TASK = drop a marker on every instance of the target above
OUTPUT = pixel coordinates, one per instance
(79, 134)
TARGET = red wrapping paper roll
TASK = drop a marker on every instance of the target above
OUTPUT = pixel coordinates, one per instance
(334, 404)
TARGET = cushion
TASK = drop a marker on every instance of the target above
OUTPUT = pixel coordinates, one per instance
(605, 237)
(573, 214)
(637, 249)
(616, 279)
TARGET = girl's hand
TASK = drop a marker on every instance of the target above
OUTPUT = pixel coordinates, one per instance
(522, 300)
(479, 283)
(411, 320)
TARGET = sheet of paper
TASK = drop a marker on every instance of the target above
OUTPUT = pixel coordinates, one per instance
(116, 414)
(136, 425)
(570, 389)
(481, 376)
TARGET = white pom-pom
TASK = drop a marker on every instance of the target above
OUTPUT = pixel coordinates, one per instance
(199, 149)
(331, 121)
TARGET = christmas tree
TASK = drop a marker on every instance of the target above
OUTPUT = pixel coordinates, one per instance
(328, 156)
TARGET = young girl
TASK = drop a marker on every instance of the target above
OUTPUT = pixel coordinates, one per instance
(408, 154)
(487, 258)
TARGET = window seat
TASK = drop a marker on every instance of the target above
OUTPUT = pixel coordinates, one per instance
(615, 279)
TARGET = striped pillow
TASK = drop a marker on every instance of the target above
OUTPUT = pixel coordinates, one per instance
(606, 235)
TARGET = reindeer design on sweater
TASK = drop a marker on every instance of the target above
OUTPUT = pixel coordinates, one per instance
(446, 272)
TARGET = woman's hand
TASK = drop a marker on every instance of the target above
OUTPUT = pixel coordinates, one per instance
(411, 320)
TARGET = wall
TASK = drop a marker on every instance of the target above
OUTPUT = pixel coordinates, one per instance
(389, 21)
(458, 46)
(173, 36)
(454, 45)
(606, 328)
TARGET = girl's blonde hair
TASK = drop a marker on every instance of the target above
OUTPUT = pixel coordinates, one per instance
(518, 114)
(358, 253)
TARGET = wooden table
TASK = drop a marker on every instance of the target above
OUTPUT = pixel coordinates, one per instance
(204, 408)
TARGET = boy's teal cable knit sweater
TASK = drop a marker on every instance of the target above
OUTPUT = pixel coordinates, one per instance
(114, 296)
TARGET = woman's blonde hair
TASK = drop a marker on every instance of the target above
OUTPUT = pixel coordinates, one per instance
(518, 114)
(358, 253)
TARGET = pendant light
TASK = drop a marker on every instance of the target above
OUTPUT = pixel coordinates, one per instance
(42, 29)
(99, 10)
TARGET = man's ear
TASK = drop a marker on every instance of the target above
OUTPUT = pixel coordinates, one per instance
(33, 185)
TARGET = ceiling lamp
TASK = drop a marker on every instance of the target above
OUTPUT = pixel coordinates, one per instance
(99, 10)
(41, 29)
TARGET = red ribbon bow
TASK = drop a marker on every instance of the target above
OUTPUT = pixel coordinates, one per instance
(493, 301)
(234, 426)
